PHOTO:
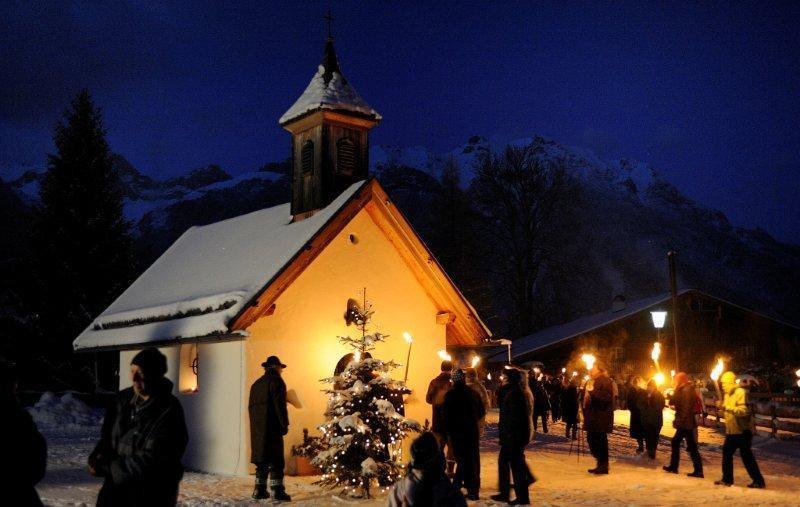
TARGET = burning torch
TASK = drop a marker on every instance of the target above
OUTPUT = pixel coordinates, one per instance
(655, 354)
(715, 373)
(409, 340)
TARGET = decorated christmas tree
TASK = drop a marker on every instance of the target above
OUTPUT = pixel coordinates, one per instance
(365, 422)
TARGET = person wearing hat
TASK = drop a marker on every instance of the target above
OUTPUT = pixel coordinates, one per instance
(24, 448)
(142, 439)
(425, 482)
(269, 422)
(739, 426)
(463, 410)
(683, 400)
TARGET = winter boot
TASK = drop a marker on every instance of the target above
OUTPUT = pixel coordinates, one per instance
(757, 485)
(599, 470)
(670, 469)
(280, 495)
(723, 483)
(697, 474)
(500, 497)
(260, 492)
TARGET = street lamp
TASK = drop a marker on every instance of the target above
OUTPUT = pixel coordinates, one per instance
(659, 317)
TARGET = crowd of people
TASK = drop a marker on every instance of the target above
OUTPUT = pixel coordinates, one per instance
(144, 435)
(526, 399)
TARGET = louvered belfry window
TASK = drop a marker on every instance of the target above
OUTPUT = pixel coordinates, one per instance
(307, 157)
(346, 153)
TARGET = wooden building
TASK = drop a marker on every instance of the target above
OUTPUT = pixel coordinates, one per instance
(623, 336)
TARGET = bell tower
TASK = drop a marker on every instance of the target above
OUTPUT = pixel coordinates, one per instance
(330, 126)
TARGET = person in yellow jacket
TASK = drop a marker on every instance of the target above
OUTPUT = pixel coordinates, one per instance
(739, 426)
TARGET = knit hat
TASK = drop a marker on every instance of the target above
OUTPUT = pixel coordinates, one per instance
(680, 379)
(458, 376)
(152, 362)
(424, 450)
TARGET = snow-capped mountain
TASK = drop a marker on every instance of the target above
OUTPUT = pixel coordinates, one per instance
(632, 216)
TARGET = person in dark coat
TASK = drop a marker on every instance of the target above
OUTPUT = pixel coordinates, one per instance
(269, 422)
(555, 392)
(651, 412)
(683, 400)
(514, 435)
(425, 483)
(598, 411)
(24, 455)
(541, 401)
(142, 439)
(569, 407)
(437, 388)
(463, 409)
(633, 394)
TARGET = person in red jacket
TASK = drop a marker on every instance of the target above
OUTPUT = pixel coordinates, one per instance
(683, 401)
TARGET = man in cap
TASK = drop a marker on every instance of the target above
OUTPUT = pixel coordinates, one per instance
(739, 425)
(269, 422)
(142, 439)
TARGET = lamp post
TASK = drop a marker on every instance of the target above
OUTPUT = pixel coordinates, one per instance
(659, 317)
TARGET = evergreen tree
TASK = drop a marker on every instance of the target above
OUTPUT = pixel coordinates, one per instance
(365, 425)
(84, 250)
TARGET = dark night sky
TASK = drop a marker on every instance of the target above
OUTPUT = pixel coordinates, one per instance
(707, 92)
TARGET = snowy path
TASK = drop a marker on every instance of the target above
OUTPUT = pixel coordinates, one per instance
(562, 479)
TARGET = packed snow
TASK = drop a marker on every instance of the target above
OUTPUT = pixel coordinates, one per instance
(561, 472)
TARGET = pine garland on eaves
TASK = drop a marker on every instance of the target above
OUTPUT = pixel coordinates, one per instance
(192, 312)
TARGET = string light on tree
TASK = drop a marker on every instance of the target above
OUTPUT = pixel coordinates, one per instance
(365, 422)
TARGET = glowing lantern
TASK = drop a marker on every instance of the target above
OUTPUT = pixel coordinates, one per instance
(589, 360)
(444, 356)
(475, 361)
(659, 378)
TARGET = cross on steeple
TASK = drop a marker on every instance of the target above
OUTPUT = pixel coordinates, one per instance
(329, 18)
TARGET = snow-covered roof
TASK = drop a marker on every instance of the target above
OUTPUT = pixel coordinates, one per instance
(206, 277)
(329, 89)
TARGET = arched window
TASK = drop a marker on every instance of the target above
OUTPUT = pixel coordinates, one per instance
(346, 156)
(307, 157)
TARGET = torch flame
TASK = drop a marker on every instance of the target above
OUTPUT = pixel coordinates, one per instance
(717, 371)
(563, 370)
(407, 337)
(574, 373)
(444, 356)
(659, 378)
(475, 361)
(656, 353)
(797, 373)
(489, 376)
(589, 360)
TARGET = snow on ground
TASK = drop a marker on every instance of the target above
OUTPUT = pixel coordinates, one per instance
(561, 473)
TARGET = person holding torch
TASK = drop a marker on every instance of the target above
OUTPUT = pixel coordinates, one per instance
(598, 410)
(739, 426)
(683, 401)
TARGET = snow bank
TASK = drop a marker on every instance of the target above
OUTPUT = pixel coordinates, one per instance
(64, 412)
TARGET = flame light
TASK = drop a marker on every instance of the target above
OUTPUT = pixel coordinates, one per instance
(444, 356)
(589, 360)
(717, 371)
(475, 361)
(407, 337)
(574, 373)
(659, 378)
(656, 352)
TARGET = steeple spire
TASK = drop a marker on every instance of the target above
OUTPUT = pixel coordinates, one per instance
(329, 18)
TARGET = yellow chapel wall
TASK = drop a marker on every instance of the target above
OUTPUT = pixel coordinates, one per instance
(309, 316)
